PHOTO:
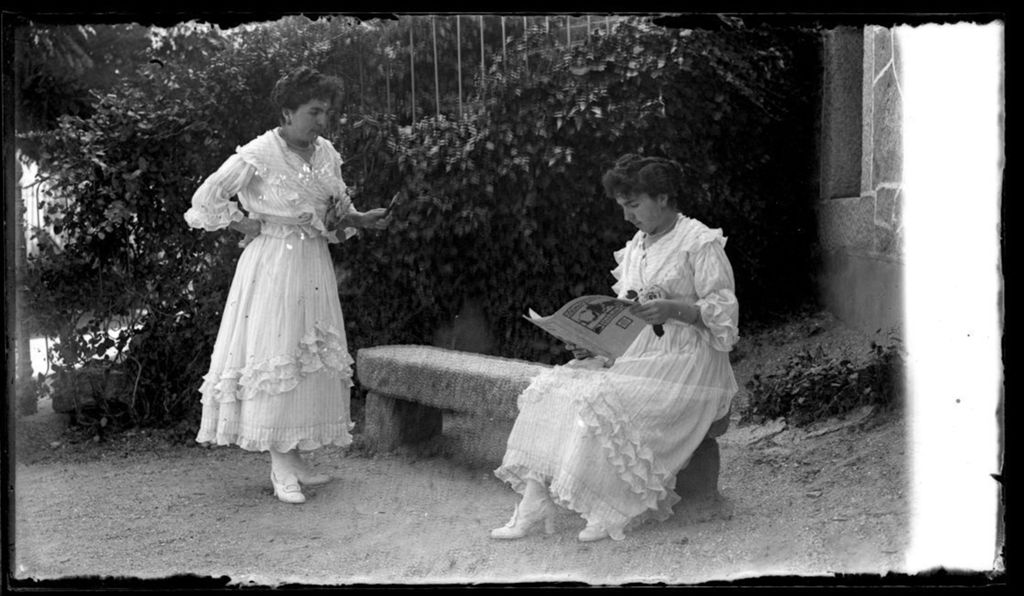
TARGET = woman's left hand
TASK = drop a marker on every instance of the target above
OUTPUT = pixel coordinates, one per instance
(655, 312)
(376, 218)
(661, 310)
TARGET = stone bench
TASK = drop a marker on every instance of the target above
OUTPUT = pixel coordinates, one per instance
(410, 386)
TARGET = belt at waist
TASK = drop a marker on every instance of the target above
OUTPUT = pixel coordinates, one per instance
(283, 227)
(282, 220)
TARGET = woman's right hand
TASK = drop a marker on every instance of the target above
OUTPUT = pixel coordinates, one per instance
(248, 226)
(579, 353)
(377, 219)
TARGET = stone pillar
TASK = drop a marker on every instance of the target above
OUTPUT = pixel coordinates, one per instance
(861, 227)
(841, 113)
(391, 422)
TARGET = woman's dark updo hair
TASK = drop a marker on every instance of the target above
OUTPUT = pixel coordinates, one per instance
(633, 174)
(303, 85)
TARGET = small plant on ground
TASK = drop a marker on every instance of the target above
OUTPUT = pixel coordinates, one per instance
(813, 386)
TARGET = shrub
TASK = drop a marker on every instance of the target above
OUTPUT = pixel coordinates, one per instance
(812, 386)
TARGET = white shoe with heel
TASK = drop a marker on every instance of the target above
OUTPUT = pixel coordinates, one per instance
(525, 519)
(593, 533)
(288, 492)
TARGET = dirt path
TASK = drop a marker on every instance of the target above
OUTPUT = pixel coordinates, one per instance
(140, 506)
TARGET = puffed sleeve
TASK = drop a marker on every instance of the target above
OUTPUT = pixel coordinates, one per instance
(716, 289)
(212, 208)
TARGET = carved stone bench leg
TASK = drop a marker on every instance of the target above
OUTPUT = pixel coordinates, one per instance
(391, 422)
(700, 477)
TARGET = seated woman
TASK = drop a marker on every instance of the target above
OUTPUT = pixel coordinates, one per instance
(607, 439)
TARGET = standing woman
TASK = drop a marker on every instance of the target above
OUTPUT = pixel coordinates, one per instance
(607, 440)
(280, 372)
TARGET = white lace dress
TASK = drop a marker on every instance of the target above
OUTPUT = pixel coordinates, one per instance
(610, 441)
(280, 372)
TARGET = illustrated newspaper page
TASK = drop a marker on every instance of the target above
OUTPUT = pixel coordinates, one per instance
(601, 324)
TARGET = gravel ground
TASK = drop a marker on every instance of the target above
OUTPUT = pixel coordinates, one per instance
(819, 501)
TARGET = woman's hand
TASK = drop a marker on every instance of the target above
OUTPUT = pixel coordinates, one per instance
(377, 219)
(579, 353)
(660, 311)
(247, 226)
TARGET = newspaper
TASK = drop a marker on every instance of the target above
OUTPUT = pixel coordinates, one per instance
(601, 324)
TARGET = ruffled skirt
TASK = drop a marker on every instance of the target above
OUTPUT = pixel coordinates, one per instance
(280, 373)
(610, 441)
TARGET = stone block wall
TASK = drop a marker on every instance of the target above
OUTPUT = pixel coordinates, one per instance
(861, 229)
